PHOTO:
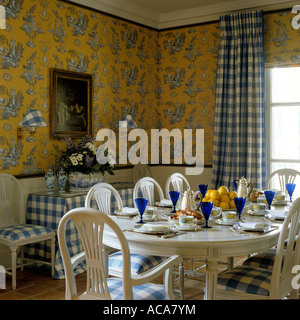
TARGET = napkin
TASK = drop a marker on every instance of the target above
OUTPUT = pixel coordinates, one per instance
(279, 214)
(252, 225)
(153, 227)
(165, 202)
(128, 210)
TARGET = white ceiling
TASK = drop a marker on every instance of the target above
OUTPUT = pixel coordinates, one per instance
(161, 14)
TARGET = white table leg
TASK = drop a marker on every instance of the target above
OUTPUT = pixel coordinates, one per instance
(211, 279)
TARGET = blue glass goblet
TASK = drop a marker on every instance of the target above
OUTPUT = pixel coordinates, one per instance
(203, 189)
(174, 195)
(206, 208)
(290, 187)
(141, 204)
(269, 196)
(239, 204)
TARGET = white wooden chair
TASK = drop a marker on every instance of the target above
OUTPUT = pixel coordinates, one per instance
(246, 282)
(90, 224)
(102, 192)
(284, 176)
(178, 181)
(14, 234)
(147, 186)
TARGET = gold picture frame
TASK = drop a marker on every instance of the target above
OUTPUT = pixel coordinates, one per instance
(70, 104)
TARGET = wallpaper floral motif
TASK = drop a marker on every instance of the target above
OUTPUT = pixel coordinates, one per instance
(281, 40)
(164, 79)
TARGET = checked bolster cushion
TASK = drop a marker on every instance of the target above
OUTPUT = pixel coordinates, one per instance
(246, 279)
(23, 231)
(139, 263)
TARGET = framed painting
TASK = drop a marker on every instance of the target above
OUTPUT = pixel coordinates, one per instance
(71, 104)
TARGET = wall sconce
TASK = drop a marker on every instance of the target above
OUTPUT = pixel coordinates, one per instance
(31, 121)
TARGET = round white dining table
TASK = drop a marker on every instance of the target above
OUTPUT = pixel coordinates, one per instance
(209, 244)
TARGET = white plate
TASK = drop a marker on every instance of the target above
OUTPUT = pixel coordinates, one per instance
(129, 213)
(276, 215)
(153, 229)
(279, 203)
(165, 203)
(150, 219)
(251, 226)
(193, 227)
(258, 212)
(225, 223)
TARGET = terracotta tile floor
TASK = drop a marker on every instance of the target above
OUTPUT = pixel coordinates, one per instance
(37, 284)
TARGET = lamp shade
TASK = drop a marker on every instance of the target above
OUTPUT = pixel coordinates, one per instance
(33, 118)
(130, 122)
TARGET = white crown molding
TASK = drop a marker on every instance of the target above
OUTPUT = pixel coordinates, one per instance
(214, 11)
(123, 9)
(176, 18)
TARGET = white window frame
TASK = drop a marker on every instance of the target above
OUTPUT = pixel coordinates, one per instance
(269, 116)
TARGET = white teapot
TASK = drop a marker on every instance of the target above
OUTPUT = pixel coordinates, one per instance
(242, 188)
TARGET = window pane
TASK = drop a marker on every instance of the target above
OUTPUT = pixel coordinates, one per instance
(285, 85)
(286, 132)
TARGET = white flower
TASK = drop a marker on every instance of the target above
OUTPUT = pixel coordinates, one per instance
(74, 160)
(91, 146)
(79, 157)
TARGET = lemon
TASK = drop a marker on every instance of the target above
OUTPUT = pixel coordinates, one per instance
(223, 190)
(214, 195)
(224, 205)
(224, 198)
(232, 204)
(207, 195)
(232, 194)
(204, 200)
(216, 203)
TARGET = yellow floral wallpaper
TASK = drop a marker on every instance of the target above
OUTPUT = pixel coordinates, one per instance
(281, 40)
(164, 79)
(40, 35)
(187, 75)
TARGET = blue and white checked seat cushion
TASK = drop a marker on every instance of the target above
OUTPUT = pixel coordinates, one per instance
(139, 263)
(149, 291)
(264, 260)
(23, 231)
(247, 280)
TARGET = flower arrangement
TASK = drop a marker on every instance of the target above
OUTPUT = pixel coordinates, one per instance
(82, 157)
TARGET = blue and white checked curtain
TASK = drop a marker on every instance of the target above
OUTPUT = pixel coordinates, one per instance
(239, 131)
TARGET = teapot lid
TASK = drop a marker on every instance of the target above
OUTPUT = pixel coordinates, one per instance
(243, 180)
(188, 192)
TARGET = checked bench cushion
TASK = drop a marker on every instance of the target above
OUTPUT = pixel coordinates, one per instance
(23, 231)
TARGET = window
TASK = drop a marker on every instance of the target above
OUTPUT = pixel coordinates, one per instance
(283, 118)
